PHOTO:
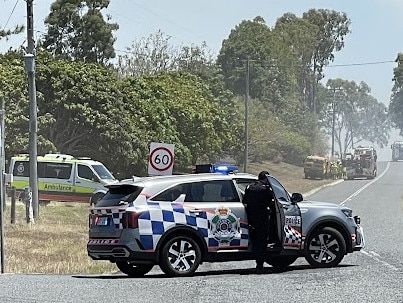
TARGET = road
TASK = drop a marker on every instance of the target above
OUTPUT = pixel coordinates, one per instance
(372, 275)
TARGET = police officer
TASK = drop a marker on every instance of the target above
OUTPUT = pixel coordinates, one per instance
(258, 200)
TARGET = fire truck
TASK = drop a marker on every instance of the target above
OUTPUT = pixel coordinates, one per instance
(361, 163)
(397, 151)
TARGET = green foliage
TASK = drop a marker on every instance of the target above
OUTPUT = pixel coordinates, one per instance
(252, 42)
(77, 30)
(271, 139)
(86, 110)
(396, 102)
(5, 33)
(313, 39)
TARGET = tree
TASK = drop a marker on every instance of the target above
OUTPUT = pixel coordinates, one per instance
(314, 39)
(358, 115)
(14, 89)
(84, 109)
(252, 42)
(396, 102)
(270, 138)
(76, 30)
(148, 56)
(5, 33)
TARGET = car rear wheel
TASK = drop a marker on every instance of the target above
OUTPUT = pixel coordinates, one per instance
(281, 261)
(132, 270)
(325, 248)
(180, 257)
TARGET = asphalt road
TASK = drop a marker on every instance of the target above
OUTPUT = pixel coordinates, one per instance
(373, 275)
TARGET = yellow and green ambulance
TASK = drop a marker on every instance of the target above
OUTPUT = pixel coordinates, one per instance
(62, 178)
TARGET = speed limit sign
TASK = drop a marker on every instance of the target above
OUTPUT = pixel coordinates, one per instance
(161, 159)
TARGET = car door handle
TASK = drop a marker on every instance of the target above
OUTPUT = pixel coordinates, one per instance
(195, 211)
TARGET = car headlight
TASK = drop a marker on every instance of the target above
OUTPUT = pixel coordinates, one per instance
(348, 212)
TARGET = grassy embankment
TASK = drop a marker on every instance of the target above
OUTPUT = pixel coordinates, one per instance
(56, 242)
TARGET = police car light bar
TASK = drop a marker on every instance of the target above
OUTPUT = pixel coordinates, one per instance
(216, 168)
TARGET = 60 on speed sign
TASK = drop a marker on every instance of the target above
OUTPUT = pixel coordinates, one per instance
(161, 159)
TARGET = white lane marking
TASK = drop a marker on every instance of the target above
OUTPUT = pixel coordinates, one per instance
(371, 254)
(376, 257)
(366, 185)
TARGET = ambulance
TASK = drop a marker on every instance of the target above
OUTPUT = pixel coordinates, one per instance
(62, 178)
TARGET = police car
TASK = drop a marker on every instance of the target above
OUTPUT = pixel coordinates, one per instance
(180, 221)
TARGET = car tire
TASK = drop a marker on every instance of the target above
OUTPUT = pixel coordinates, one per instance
(325, 247)
(95, 198)
(180, 257)
(280, 261)
(135, 271)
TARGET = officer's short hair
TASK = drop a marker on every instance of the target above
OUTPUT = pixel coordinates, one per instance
(263, 175)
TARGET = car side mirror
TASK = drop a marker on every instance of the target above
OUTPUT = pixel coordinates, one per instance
(296, 197)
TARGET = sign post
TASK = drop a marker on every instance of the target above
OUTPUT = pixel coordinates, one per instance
(161, 159)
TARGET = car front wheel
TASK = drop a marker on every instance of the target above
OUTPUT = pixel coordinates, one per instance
(325, 247)
(180, 257)
(132, 270)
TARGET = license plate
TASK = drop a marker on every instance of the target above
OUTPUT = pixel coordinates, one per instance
(102, 221)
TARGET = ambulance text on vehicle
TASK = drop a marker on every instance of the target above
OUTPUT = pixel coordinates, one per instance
(62, 178)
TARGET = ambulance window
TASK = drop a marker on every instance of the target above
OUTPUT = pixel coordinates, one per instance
(21, 169)
(103, 172)
(54, 170)
(85, 172)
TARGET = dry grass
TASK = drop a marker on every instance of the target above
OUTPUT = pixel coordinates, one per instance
(56, 242)
(292, 177)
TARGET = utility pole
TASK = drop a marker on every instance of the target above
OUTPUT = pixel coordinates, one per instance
(2, 187)
(29, 58)
(333, 119)
(246, 116)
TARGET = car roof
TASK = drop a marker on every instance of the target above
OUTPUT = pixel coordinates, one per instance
(170, 179)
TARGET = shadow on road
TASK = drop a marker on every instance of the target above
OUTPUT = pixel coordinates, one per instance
(243, 271)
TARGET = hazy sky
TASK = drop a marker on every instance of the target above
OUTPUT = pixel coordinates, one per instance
(370, 49)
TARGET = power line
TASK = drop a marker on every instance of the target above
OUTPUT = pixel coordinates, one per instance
(359, 64)
(162, 17)
(9, 17)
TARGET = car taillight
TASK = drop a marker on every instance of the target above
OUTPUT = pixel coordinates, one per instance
(130, 219)
(90, 220)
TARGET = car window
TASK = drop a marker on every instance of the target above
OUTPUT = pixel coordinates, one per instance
(85, 172)
(242, 183)
(171, 194)
(103, 172)
(279, 191)
(205, 191)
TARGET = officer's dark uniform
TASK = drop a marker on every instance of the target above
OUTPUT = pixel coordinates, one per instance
(257, 200)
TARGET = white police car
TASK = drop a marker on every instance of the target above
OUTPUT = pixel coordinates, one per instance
(180, 221)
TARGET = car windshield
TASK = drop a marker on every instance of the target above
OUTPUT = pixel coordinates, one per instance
(103, 172)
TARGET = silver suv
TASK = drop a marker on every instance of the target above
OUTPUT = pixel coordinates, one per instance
(180, 221)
